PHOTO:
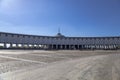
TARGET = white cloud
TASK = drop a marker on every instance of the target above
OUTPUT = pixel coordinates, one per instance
(3, 24)
(23, 7)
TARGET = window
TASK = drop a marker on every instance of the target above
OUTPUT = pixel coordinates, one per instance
(17, 35)
(12, 35)
(23, 36)
(33, 37)
(6, 35)
(28, 36)
(38, 37)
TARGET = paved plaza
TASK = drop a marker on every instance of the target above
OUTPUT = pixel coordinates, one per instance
(59, 65)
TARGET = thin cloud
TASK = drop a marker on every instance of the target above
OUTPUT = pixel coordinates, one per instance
(11, 7)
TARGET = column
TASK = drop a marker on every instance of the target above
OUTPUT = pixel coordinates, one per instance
(61, 47)
(17, 45)
(69, 46)
(22, 45)
(10, 45)
(51, 46)
(56, 46)
(5, 45)
(78, 47)
(65, 46)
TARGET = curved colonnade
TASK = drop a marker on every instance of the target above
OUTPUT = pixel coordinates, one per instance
(23, 41)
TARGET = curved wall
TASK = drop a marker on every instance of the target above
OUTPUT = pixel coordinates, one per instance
(54, 42)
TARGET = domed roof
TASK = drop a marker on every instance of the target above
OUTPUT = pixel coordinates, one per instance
(59, 35)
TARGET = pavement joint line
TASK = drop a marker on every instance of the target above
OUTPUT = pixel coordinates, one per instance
(55, 56)
(23, 59)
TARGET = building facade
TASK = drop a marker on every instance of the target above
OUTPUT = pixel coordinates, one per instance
(24, 41)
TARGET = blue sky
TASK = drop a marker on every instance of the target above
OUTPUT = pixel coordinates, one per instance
(74, 17)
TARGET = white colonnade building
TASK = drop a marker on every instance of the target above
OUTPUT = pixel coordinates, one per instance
(58, 42)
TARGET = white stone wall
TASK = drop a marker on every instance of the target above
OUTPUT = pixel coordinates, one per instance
(30, 39)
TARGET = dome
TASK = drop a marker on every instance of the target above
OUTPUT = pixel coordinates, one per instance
(59, 35)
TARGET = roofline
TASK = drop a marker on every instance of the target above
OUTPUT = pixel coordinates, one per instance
(55, 36)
